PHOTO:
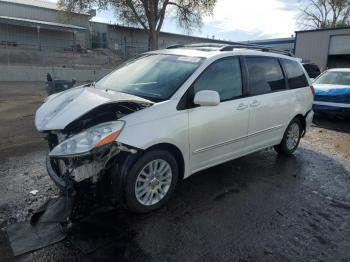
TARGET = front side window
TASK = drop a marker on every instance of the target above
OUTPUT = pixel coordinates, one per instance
(334, 78)
(296, 75)
(265, 75)
(223, 76)
(154, 77)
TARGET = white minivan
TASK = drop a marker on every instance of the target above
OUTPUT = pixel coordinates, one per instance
(159, 118)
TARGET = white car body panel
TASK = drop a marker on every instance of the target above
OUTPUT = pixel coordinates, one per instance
(266, 125)
(217, 133)
(206, 136)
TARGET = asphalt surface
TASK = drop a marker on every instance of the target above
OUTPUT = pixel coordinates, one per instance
(260, 207)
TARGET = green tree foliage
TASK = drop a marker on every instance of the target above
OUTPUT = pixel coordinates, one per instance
(149, 14)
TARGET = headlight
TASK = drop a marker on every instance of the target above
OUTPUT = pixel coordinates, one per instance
(89, 139)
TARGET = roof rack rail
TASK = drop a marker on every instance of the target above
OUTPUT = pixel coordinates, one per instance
(175, 46)
(230, 47)
(255, 47)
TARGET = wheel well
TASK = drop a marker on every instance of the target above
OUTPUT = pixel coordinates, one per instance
(302, 121)
(177, 154)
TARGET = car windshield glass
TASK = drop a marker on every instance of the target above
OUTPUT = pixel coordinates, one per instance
(334, 77)
(154, 77)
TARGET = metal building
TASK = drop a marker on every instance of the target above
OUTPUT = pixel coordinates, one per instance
(41, 25)
(285, 44)
(129, 41)
(328, 48)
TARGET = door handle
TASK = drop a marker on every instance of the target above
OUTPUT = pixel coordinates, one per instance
(242, 106)
(255, 103)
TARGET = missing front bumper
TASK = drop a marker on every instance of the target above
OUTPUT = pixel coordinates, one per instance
(57, 179)
(89, 179)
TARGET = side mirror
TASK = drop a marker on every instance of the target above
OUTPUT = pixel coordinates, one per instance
(207, 98)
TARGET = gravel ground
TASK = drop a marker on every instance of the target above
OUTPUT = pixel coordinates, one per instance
(260, 207)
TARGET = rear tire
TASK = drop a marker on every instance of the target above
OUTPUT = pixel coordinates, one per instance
(291, 138)
(151, 181)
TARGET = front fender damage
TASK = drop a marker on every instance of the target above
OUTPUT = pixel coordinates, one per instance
(83, 183)
(87, 180)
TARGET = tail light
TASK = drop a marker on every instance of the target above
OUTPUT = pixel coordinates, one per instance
(312, 90)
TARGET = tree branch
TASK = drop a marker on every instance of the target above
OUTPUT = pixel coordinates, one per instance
(162, 15)
(130, 4)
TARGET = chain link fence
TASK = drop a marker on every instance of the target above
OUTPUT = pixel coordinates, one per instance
(88, 63)
(48, 55)
(127, 49)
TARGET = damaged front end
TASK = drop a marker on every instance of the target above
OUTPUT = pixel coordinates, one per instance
(84, 152)
(87, 179)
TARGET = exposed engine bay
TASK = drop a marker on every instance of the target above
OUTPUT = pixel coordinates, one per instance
(101, 114)
(89, 177)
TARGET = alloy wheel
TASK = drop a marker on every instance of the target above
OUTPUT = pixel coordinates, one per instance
(293, 136)
(153, 182)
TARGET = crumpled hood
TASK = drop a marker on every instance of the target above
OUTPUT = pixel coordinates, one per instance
(63, 108)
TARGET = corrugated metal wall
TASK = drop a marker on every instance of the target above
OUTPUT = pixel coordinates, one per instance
(27, 37)
(50, 39)
(38, 13)
(313, 46)
(20, 35)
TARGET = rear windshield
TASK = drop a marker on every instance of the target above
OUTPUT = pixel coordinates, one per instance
(154, 77)
(335, 78)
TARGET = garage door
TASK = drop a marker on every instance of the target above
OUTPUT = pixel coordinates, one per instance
(339, 45)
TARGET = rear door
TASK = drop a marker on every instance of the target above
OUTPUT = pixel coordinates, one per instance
(218, 133)
(270, 101)
(298, 83)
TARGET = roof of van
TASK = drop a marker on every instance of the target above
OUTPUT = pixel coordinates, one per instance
(212, 53)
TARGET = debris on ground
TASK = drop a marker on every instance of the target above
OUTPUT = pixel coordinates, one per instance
(34, 192)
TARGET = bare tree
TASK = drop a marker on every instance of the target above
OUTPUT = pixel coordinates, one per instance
(149, 14)
(340, 12)
(318, 14)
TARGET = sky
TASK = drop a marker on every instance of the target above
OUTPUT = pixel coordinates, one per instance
(236, 20)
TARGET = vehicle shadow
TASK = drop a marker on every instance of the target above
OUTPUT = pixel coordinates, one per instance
(219, 212)
(332, 123)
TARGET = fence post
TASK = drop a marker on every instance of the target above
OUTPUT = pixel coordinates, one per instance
(125, 48)
(8, 53)
(39, 40)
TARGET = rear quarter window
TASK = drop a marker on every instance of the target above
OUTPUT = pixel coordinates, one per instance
(295, 73)
(265, 75)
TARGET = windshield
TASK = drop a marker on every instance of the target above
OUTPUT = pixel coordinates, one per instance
(334, 77)
(154, 77)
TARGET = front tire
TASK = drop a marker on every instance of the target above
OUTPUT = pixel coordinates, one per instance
(151, 181)
(291, 138)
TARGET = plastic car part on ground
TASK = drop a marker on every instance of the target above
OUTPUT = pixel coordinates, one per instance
(47, 226)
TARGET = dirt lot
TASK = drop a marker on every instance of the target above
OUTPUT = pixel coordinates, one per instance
(257, 208)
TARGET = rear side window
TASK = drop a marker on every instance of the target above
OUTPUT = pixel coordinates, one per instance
(295, 73)
(265, 75)
(223, 76)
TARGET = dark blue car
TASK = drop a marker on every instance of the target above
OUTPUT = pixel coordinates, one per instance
(332, 92)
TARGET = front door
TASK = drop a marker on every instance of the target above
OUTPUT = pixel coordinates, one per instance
(218, 133)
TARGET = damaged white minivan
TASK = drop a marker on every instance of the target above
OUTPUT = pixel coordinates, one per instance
(135, 134)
